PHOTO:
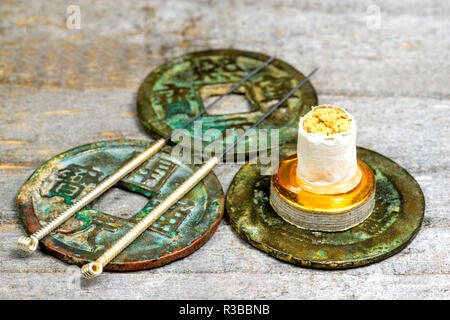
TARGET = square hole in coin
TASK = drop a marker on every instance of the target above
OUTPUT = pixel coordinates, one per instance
(233, 103)
(120, 203)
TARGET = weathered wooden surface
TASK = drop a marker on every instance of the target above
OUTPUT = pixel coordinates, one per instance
(61, 88)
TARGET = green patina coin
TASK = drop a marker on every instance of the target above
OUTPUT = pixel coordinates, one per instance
(68, 176)
(177, 91)
(396, 219)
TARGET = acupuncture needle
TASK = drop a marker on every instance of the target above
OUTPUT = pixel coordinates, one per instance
(30, 243)
(95, 268)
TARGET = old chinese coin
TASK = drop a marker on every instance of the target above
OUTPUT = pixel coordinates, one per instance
(84, 237)
(179, 89)
(395, 220)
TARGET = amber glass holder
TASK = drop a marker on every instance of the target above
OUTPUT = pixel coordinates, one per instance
(320, 211)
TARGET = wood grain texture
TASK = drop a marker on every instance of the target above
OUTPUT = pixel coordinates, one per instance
(61, 88)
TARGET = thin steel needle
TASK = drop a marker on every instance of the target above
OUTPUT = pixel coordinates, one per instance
(234, 87)
(94, 269)
(30, 243)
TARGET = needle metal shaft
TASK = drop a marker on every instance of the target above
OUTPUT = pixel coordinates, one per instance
(30, 243)
(95, 268)
(234, 87)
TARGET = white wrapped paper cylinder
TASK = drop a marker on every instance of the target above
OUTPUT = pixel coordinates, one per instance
(327, 160)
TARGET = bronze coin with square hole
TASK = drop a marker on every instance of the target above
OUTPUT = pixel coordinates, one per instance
(185, 227)
(179, 89)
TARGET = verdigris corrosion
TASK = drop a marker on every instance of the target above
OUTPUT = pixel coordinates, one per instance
(395, 220)
(82, 238)
(175, 92)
